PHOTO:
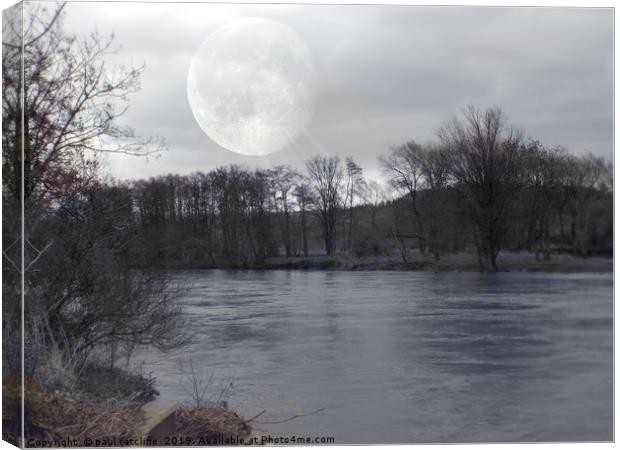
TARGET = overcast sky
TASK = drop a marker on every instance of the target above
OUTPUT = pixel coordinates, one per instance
(386, 74)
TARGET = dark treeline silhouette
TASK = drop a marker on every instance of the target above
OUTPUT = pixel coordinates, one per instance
(482, 186)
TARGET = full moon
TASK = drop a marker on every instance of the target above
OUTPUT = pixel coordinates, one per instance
(252, 86)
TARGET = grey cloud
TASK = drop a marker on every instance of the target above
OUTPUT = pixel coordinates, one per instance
(387, 74)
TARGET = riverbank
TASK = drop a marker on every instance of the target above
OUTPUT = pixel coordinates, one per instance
(464, 262)
(52, 420)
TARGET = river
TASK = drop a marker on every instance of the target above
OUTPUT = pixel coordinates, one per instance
(401, 357)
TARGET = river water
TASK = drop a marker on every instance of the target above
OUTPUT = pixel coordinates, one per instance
(401, 357)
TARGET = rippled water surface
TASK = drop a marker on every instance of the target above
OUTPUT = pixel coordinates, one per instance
(397, 357)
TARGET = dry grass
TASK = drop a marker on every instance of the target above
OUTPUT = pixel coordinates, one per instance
(52, 417)
(211, 424)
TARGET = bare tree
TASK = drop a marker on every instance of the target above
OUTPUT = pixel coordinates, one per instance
(326, 176)
(404, 169)
(72, 103)
(580, 177)
(85, 289)
(542, 199)
(373, 195)
(78, 230)
(486, 163)
(305, 200)
(353, 182)
(282, 180)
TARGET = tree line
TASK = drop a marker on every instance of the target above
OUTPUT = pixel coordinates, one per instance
(481, 186)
